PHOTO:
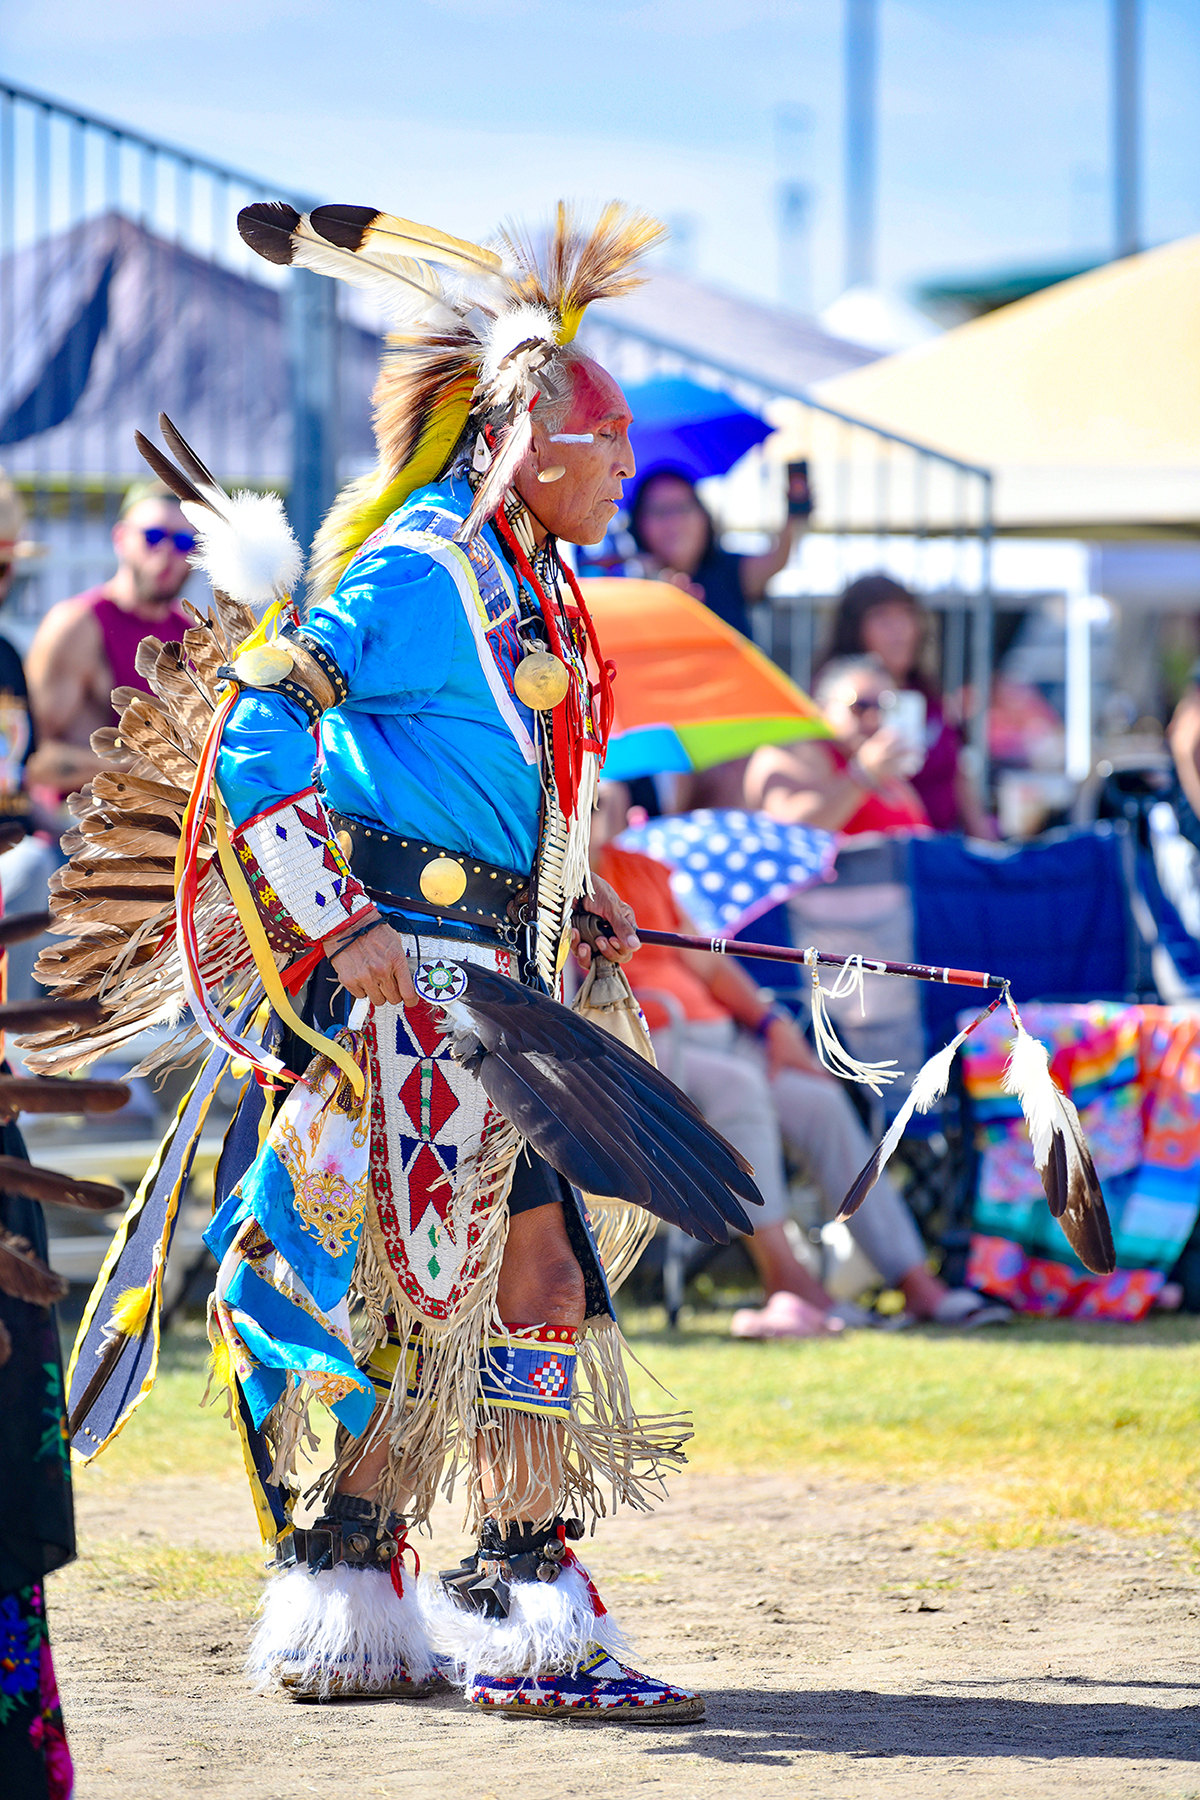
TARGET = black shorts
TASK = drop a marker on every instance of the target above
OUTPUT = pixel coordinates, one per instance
(535, 1184)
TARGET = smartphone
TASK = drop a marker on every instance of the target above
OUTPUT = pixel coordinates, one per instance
(799, 491)
(906, 714)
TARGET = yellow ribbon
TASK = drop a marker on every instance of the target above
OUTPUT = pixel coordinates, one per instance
(265, 961)
(264, 627)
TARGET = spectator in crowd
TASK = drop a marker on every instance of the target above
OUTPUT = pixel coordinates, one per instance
(877, 617)
(677, 537)
(25, 869)
(856, 781)
(750, 1071)
(1183, 741)
(85, 646)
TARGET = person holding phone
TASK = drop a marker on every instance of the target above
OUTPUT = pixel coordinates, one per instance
(856, 781)
(878, 617)
(677, 538)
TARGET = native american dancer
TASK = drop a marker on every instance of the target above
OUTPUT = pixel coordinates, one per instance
(391, 792)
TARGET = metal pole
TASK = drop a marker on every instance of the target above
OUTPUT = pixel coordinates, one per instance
(981, 640)
(1079, 685)
(311, 326)
(861, 65)
(1127, 235)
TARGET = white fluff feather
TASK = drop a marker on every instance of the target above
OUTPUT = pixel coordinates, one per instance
(932, 1080)
(248, 550)
(549, 1630)
(340, 1627)
(515, 326)
(1027, 1076)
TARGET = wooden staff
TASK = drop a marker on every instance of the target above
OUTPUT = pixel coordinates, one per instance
(677, 940)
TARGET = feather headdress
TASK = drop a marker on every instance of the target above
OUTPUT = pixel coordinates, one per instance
(478, 341)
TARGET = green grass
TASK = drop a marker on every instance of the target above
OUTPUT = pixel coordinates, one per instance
(1049, 1425)
(1052, 1424)
(168, 1572)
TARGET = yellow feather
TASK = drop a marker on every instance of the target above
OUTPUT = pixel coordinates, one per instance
(363, 506)
(220, 1366)
(131, 1309)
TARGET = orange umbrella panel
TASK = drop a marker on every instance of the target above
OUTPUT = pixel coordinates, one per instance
(690, 691)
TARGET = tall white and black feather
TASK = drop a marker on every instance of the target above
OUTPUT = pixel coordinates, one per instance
(1060, 1153)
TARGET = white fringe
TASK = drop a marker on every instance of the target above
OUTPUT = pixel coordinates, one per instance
(549, 1630)
(342, 1628)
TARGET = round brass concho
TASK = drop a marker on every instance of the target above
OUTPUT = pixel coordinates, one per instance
(541, 680)
(264, 665)
(443, 881)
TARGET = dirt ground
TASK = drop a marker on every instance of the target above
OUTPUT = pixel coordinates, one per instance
(846, 1642)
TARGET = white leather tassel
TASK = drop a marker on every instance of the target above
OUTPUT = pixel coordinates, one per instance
(834, 1056)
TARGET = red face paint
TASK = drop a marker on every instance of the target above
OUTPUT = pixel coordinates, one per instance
(595, 398)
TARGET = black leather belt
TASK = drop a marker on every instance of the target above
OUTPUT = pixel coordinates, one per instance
(390, 868)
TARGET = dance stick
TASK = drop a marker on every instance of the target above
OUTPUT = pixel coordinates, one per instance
(677, 940)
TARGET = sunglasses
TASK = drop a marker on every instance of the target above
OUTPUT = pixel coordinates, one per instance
(184, 541)
(880, 703)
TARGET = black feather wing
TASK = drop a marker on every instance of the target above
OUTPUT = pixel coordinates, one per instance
(603, 1117)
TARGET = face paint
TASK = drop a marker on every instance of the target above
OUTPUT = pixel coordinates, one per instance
(595, 400)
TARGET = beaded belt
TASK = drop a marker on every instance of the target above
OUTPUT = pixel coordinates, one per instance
(425, 878)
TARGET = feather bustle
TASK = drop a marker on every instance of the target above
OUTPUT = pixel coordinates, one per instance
(24, 1276)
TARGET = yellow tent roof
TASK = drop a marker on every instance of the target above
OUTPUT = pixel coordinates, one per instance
(1083, 399)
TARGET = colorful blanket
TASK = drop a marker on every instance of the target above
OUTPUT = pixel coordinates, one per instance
(1134, 1074)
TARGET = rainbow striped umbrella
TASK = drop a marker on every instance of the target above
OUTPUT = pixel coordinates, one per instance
(691, 691)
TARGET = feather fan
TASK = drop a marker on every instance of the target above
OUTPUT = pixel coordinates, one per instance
(599, 1114)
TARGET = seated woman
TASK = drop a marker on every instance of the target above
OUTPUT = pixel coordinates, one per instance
(678, 539)
(877, 617)
(855, 782)
(752, 1074)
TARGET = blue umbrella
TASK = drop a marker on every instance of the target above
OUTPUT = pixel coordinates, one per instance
(680, 425)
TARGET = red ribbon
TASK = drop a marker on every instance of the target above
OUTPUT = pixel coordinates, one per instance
(396, 1566)
(598, 1606)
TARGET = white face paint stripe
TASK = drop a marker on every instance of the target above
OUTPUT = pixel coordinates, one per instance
(573, 437)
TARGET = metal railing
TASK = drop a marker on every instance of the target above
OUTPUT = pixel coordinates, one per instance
(125, 289)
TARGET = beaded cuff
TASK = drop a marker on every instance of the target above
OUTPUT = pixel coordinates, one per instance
(301, 882)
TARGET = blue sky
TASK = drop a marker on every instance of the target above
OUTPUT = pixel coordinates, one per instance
(993, 118)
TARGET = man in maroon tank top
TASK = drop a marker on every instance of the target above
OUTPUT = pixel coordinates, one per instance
(86, 646)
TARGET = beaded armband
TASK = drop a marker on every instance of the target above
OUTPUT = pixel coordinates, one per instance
(314, 682)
